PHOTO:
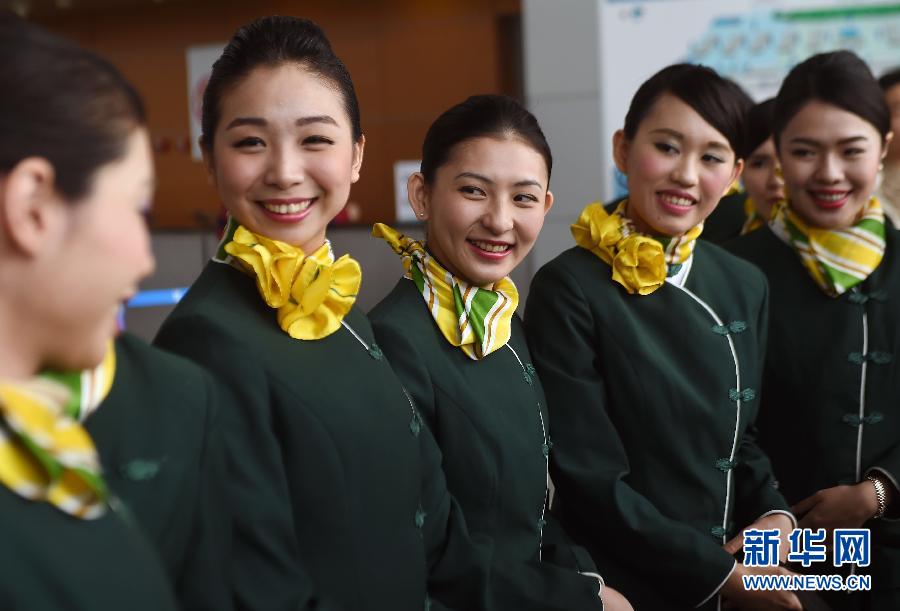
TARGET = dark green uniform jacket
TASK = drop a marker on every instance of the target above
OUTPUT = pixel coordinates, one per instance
(336, 485)
(490, 420)
(161, 455)
(831, 409)
(50, 561)
(652, 404)
(727, 220)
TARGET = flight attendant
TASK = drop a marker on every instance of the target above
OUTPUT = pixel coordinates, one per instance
(649, 344)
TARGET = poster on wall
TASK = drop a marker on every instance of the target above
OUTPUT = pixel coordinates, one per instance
(754, 42)
(200, 59)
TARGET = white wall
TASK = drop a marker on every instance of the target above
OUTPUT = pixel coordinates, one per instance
(562, 89)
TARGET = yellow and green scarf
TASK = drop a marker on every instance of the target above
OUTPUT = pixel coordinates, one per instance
(640, 263)
(837, 259)
(312, 293)
(477, 320)
(45, 453)
(88, 388)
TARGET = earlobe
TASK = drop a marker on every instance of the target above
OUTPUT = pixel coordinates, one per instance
(737, 171)
(620, 145)
(29, 201)
(417, 194)
(735, 174)
(888, 138)
(358, 150)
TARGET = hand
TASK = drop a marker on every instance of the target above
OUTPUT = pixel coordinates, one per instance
(775, 520)
(737, 597)
(838, 507)
(614, 601)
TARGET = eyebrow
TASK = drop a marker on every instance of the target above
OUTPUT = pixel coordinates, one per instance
(528, 182)
(260, 122)
(812, 142)
(678, 135)
(315, 119)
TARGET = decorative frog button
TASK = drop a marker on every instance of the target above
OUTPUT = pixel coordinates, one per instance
(415, 425)
(140, 470)
(420, 517)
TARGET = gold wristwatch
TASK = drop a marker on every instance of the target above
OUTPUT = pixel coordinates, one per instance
(880, 494)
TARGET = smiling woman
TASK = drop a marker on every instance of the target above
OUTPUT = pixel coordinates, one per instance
(678, 167)
(649, 344)
(830, 256)
(483, 204)
(283, 155)
(451, 331)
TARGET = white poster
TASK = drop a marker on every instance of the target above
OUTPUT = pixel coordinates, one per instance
(200, 59)
(754, 42)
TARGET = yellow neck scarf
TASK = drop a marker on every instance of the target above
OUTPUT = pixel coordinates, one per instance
(754, 220)
(477, 320)
(45, 453)
(639, 263)
(837, 259)
(312, 293)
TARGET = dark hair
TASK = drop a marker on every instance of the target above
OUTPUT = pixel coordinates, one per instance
(62, 103)
(757, 126)
(889, 79)
(839, 78)
(272, 41)
(479, 116)
(720, 101)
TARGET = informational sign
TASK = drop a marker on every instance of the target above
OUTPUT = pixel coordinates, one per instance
(200, 60)
(754, 42)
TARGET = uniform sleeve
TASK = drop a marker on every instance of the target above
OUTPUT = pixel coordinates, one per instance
(203, 581)
(756, 494)
(265, 569)
(589, 464)
(462, 571)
